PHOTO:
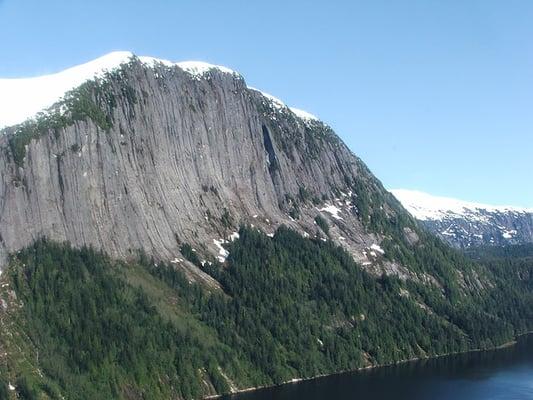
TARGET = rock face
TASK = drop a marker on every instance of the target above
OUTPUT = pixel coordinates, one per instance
(161, 156)
(463, 224)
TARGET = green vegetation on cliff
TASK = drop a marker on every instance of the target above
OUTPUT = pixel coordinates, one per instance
(84, 326)
(94, 100)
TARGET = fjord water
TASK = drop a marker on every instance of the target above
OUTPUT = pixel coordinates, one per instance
(493, 375)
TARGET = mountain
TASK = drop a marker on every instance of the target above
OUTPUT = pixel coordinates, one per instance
(167, 231)
(150, 154)
(465, 224)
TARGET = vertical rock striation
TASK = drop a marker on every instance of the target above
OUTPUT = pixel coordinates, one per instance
(159, 156)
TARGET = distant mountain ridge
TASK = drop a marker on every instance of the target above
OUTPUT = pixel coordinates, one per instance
(466, 224)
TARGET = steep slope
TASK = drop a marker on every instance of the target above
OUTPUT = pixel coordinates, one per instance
(464, 224)
(78, 325)
(242, 244)
(152, 154)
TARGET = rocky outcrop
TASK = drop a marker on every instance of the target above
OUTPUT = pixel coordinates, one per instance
(487, 229)
(163, 157)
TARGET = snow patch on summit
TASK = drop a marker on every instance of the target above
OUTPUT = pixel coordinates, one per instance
(465, 224)
(279, 105)
(201, 68)
(303, 114)
(426, 207)
(24, 98)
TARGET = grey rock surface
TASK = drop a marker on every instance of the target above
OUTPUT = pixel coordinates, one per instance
(485, 228)
(188, 161)
(465, 224)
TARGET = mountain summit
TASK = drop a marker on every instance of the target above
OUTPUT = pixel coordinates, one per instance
(167, 231)
(465, 224)
(136, 153)
(24, 98)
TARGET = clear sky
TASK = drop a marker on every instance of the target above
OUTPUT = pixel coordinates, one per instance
(434, 95)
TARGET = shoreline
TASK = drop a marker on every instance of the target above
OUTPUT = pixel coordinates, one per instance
(502, 346)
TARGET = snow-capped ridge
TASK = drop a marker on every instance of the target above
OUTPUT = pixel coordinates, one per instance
(304, 114)
(278, 104)
(273, 100)
(464, 224)
(424, 206)
(23, 98)
(200, 67)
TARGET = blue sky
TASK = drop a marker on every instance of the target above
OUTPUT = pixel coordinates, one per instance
(434, 95)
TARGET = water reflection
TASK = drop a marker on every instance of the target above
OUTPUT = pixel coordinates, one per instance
(502, 374)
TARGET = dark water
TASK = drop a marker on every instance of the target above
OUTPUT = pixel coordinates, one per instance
(501, 374)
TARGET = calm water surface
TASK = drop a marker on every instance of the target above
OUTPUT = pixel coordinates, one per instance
(501, 374)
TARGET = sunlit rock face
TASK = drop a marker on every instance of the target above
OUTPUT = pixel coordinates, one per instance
(148, 155)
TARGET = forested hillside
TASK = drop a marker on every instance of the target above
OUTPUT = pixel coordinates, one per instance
(513, 264)
(79, 325)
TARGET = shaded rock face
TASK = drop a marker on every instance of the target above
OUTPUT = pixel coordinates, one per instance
(483, 228)
(184, 159)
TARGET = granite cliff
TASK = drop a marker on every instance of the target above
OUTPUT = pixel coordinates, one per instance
(150, 154)
(218, 240)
